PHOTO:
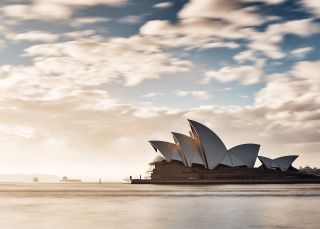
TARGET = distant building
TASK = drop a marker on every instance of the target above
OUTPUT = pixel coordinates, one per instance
(202, 157)
(66, 179)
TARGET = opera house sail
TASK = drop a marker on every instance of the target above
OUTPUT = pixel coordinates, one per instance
(203, 158)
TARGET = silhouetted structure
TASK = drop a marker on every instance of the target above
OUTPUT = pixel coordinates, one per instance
(202, 157)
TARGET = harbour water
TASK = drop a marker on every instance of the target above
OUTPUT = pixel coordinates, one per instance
(115, 205)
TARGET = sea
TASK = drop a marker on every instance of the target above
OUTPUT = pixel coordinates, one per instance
(117, 205)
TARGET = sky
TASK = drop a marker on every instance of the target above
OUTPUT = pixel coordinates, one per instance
(85, 84)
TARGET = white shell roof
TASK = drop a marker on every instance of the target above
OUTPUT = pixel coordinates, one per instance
(241, 155)
(231, 160)
(157, 158)
(282, 163)
(214, 148)
(189, 149)
(285, 162)
(204, 147)
(267, 162)
(168, 150)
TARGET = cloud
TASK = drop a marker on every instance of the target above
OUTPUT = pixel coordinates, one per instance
(48, 10)
(32, 36)
(80, 128)
(200, 95)
(245, 74)
(53, 118)
(212, 24)
(18, 81)
(191, 34)
(303, 27)
(299, 87)
(90, 129)
(2, 44)
(266, 1)
(226, 89)
(205, 24)
(84, 2)
(301, 52)
(219, 44)
(152, 95)
(59, 68)
(268, 41)
(163, 27)
(86, 129)
(163, 5)
(308, 70)
(230, 11)
(80, 34)
(269, 49)
(38, 11)
(247, 55)
(81, 21)
(131, 19)
(313, 5)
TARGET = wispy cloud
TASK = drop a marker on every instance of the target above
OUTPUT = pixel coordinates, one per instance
(81, 21)
(52, 9)
(266, 1)
(131, 19)
(245, 74)
(68, 122)
(301, 52)
(152, 95)
(33, 36)
(313, 6)
(163, 5)
(268, 41)
(200, 95)
(88, 62)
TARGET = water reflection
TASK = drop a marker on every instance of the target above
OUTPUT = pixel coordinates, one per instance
(158, 206)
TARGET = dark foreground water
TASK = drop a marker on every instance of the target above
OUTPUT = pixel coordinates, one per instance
(94, 206)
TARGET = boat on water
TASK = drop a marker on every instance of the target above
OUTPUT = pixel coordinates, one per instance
(202, 158)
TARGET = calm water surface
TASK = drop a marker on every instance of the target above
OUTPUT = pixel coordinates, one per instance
(94, 206)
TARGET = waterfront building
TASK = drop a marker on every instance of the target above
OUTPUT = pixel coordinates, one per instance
(202, 157)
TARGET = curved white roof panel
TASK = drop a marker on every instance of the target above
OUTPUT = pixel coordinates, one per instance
(189, 149)
(282, 163)
(267, 162)
(231, 160)
(246, 153)
(214, 148)
(168, 150)
(157, 158)
(285, 162)
(226, 160)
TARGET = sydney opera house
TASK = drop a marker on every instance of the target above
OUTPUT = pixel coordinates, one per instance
(202, 157)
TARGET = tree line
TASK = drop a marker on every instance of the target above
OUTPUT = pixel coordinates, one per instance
(309, 169)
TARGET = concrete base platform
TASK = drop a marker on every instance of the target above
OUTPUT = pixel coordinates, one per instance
(209, 182)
